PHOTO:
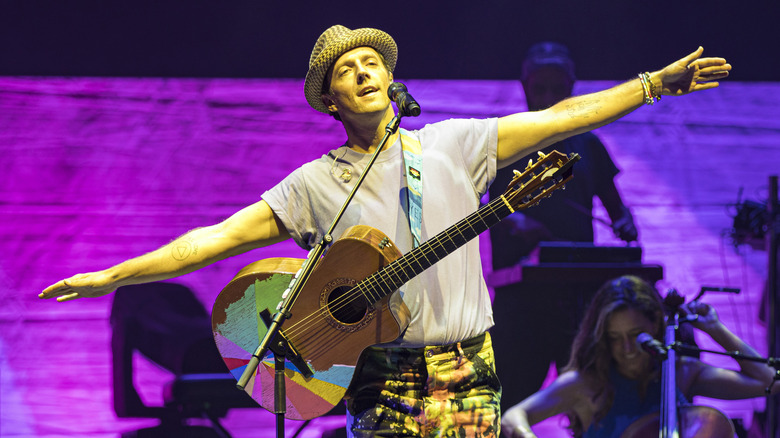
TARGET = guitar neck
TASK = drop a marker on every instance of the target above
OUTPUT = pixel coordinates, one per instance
(393, 276)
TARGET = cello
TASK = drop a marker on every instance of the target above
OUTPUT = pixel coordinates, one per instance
(674, 421)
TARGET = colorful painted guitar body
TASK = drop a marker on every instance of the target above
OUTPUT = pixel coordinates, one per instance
(348, 302)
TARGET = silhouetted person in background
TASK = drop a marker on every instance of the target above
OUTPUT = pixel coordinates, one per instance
(548, 77)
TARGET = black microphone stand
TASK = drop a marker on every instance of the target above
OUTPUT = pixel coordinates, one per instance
(773, 362)
(773, 221)
(674, 347)
(669, 427)
(282, 349)
(669, 420)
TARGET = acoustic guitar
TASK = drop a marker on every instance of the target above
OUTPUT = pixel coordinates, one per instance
(347, 307)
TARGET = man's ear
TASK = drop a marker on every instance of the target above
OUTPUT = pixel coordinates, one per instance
(329, 103)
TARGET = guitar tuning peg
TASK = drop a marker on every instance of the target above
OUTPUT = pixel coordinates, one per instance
(517, 172)
(541, 154)
(530, 163)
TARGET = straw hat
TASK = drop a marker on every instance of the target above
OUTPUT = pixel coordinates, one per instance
(333, 43)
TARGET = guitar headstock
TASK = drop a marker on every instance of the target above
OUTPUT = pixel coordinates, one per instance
(539, 179)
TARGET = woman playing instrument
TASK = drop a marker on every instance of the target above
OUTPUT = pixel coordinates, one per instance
(610, 381)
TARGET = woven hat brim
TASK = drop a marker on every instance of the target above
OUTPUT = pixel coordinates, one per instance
(318, 69)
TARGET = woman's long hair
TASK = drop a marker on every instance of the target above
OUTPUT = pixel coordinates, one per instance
(590, 353)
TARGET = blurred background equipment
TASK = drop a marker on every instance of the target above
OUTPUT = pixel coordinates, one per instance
(168, 325)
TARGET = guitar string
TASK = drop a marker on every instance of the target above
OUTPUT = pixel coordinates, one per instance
(377, 283)
(356, 292)
(393, 273)
(371, 289)
(350, 296)
(390, 269)
(396, 268)
(308, 322)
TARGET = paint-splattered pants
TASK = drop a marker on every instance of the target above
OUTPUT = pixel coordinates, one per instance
(440, 391)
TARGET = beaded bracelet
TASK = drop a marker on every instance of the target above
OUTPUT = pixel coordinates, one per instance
(651, 95)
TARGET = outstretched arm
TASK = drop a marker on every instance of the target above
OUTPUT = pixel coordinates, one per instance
(252, 227)
(523, 133)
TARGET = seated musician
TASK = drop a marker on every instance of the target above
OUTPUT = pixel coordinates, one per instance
(610, 381)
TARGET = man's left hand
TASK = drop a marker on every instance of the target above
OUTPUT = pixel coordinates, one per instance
(692, 73)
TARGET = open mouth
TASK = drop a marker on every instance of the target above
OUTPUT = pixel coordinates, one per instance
(366, 91)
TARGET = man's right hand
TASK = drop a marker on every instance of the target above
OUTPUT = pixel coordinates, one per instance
(91, 284)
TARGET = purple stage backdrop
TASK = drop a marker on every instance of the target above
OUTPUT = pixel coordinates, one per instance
(98, 170)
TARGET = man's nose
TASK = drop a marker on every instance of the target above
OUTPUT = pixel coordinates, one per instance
(362, 74)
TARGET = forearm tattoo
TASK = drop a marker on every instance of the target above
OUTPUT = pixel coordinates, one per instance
(183, 248)
(583, 109)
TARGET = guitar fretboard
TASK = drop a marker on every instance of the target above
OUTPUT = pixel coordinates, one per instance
(397, 273)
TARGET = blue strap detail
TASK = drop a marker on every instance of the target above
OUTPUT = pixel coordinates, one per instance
(413, 166)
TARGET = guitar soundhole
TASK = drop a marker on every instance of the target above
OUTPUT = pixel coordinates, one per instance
(347, 305)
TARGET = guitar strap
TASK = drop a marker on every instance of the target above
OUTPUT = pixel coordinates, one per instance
(413, 169)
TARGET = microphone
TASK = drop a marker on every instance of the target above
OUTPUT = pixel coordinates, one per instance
(406, 104)
(652, 346)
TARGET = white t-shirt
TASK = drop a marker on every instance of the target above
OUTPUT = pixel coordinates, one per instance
(449, 302)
